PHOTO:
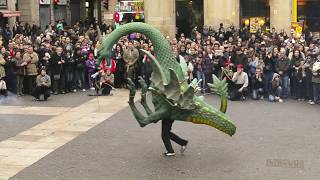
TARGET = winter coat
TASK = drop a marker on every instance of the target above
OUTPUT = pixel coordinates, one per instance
(31, 60)
(283, 64)
(2, 70)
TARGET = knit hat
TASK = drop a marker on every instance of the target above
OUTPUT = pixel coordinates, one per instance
(240, 66)
(275, 75)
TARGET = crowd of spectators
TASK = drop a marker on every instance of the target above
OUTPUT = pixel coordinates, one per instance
(264, 65)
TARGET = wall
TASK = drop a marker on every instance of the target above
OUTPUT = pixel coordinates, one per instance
(281, 14)
(221, 11)
(162, 15)
(29, 11)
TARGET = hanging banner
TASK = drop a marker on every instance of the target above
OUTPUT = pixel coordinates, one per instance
(130, 7)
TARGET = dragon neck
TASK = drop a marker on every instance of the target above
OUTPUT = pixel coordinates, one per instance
(163, 50)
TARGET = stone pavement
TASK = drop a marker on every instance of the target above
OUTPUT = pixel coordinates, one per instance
(67, 123)
(274, 141)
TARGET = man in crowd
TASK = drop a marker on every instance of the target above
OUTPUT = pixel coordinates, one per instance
(31, 59)
(282, 68)
(241, 82)
(57, 64)
(130, 56)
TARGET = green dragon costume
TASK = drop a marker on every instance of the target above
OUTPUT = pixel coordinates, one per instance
(172, 97)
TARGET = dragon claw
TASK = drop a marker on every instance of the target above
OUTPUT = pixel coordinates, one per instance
(132, 88)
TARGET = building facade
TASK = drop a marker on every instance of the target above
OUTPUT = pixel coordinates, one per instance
(169, 14)
(8, 13)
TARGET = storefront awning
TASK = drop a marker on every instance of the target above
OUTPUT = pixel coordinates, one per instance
(8, 13)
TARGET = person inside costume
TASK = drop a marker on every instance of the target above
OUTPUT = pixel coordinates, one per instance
(43, 86)
(167, 135)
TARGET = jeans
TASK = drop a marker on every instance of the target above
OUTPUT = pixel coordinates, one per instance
(41, 90)
(272, 97)
(80, 78)
(167, 135)
(257, 93)
(285, 86)
(31, 80)
(59, 84)
(201, 76)
(267, 78)
(316, 92)
(69, 80)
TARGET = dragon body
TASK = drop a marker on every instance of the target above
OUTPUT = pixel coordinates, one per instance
(172, 96)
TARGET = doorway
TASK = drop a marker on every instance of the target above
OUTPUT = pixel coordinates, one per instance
(189, 14)
(254, 8)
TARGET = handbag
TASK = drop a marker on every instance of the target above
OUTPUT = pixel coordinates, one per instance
(3, 85)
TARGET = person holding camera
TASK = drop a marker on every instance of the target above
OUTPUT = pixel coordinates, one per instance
(257, 84)
(241, 82)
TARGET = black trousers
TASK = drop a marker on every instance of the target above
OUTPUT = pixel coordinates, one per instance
(41, 90)
(235, 94)
(105, 89)
(31, 81)
(167, 135)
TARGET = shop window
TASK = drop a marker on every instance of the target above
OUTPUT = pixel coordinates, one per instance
(309, 14)
(255, 14)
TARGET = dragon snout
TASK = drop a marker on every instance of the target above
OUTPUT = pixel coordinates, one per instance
(214, 118)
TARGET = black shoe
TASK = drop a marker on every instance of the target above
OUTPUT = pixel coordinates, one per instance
(62, 92)
(167, 154)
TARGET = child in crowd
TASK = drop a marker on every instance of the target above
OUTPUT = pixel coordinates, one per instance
(91, 67)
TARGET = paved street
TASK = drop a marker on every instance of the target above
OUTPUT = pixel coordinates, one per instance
(79, 141)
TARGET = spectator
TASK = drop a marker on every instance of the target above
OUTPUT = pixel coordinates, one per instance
(257, 85)
(119, 80)
(57, 62)
(43, 86)
(106, 82)
(276, 89)
(316, 81)
(3, 88)
(282, 68)
(2, 70)
(241, 81)
(130, 57)
(91, 68)
(20, 72)
(31, 59)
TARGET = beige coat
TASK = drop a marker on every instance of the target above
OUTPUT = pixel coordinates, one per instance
(31, 60)
(2, 70)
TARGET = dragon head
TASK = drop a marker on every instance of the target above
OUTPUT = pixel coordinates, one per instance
(181, 97)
